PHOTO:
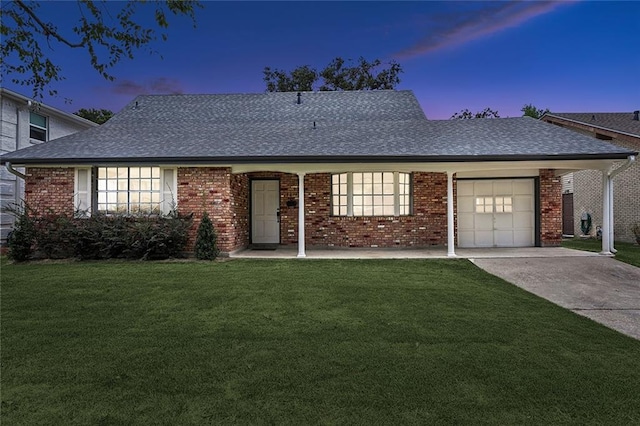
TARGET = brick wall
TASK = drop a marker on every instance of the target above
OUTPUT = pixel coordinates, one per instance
(425, 227)
(215, 191)
(50, 190)
(550, 208)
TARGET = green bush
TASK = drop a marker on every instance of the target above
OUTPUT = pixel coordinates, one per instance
(206, 240)
(98, 237)
(21, 240)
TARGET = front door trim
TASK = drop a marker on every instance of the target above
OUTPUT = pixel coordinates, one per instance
(251, 208)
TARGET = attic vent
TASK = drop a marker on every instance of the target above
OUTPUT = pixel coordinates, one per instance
(299, 100)
(635, 115)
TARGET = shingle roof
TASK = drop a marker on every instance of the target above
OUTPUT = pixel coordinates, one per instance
(370, 125)
(615, 121)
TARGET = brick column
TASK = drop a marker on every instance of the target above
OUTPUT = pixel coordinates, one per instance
(550, 209)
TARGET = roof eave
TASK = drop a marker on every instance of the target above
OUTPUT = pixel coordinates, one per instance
(315, 159)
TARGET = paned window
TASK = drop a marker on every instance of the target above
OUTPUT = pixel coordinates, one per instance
(371, 194)
(37, 127)
(494, 204)
(129, 190)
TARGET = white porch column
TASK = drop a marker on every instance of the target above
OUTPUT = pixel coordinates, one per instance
(606, 210)
(611, 233)
(301, 251)
(451, 252)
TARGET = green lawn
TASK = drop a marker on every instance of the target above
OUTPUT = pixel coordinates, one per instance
(627, 252)
(301, 342)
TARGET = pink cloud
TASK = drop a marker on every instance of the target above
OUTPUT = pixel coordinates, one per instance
(160, 85)
(459, 30)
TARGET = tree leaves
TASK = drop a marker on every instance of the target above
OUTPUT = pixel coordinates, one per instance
(27, 38)
(465, 114)
(364, 75)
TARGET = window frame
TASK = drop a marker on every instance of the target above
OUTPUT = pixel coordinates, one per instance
(37, 127)
(168, 177)
(346, 179)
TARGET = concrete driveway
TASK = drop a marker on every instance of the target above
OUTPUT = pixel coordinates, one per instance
(597, 287)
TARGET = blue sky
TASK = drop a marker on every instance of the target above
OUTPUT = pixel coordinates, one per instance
(565, 56)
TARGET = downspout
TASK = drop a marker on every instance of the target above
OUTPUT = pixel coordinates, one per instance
(630, 160)
(14, 171)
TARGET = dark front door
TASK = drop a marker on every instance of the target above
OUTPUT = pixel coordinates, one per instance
(567, 214)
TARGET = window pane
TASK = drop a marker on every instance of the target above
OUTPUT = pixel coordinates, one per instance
(388, 188)
(39, 134)
(357, 178)
(357, 210)
(112, 172)
(388, 211)
(155, 172)
(122, 185)
(38, 120)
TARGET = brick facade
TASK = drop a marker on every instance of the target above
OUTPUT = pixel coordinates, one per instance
(550, 209)
(226, 197)
(50, 190)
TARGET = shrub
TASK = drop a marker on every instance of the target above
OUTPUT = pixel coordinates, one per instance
(99, 237)
(206, 240)
(21, 240)
(636, 231)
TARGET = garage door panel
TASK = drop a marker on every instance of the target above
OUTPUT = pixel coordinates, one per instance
(503, 221)
(523, 203)
(465, 221)
(465, 188)
(503, 238)
(483, 188)
(483, 221)
(466, 204)
(483, 239)
(522, 238)
(523, 187)
(466, 238)
(522, 220)
(502, 188)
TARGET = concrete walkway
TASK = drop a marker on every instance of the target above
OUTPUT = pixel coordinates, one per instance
(600, 288)
(290, 252)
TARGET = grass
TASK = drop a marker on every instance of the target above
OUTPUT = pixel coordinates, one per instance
(301, 342)
(627, 252)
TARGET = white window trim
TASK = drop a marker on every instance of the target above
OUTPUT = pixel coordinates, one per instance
(396, 195)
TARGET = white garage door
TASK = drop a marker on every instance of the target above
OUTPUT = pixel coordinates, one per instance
(496, 213)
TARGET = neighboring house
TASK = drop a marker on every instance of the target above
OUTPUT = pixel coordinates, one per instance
(327, 169)
(621, 129)
(25, 123)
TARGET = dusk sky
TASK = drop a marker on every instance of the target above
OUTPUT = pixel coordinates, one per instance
(566, 56)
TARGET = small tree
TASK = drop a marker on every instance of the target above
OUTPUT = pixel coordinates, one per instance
(206, 247)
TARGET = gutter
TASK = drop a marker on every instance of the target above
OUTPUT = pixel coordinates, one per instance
(13, 171)
(319, 159)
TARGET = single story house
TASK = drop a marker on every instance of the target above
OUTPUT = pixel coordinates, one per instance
(329, 169)
(26, 123)
(583, 193)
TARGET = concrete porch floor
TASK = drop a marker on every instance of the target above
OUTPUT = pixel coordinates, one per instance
(291, 252)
